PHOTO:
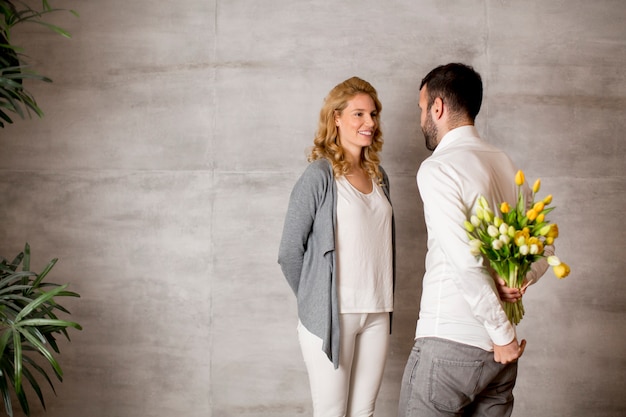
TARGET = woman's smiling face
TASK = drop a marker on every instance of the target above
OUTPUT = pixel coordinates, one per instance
(357, 123)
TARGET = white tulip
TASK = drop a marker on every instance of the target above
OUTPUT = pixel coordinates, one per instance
(524, 249)
(553, 260)
(475, 246)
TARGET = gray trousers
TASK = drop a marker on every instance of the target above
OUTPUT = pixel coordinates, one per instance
(445, 378)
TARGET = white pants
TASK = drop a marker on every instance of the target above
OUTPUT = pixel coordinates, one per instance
(350, 390)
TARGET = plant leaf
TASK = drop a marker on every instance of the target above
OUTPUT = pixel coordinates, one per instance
(34, 385)
(48, 322)
(17, 360)
(43, 273)
(45, 352)
(6, 395)
(26, 262)
(39, 301)
(4, 339)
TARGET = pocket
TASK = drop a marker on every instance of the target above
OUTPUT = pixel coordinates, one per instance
(454, 383)
(508, 379)
(413, 362)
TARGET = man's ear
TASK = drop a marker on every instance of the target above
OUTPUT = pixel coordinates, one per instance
(437, 108)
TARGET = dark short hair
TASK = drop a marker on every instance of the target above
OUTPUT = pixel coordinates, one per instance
(458, 85)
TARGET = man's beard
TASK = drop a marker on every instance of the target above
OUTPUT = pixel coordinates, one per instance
(430, 132)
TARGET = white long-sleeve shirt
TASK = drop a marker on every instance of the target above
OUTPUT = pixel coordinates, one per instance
(459, 298)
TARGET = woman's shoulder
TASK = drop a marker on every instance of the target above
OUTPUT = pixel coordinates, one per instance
(319, 169)
(316, 176)
(321, 164)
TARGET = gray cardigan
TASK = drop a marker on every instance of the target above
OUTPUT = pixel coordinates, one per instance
(307, 252)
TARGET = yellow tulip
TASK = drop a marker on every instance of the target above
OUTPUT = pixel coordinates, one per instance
(541, 218)
(480, 212)
(561, 270)
(468, 226)
(545, 229)
(519, 177)
(497, 222)
(536, 247)
(549, 240)
(538, 207)
(554, 231)
(531, 214)
(536, 186)
(505, 208)
(521, 236)
(548, 199)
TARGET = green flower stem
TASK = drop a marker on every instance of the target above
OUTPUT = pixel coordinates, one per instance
(514, 311)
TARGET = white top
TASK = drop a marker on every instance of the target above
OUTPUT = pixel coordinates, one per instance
(364, 250)
(459, 298)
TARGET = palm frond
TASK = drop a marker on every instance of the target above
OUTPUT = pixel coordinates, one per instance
(28, 325)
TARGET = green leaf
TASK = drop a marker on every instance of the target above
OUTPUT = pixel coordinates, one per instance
(48, 322)
(32, 364)
(6, 395)
(56, 29)
(5, 117)
(17, 261)
(45, 352)
(17, 361)
(14, 288)
(26, 263)
(9, 280)
(39, 301)
(34, 385)
(4, 339)
(43, 274)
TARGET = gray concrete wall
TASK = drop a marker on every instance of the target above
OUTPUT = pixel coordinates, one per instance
(174, 132)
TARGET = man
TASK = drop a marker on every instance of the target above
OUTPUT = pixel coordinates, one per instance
(464, 361)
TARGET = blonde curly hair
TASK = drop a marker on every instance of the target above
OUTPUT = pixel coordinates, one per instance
(326, 141)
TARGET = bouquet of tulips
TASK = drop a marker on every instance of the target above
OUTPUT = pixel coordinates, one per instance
(512, 238)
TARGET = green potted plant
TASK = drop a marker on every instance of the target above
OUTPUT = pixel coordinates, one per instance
(29, 327)
(29, 308)
(14, 98)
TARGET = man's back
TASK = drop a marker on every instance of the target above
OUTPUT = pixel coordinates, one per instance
(458, 298)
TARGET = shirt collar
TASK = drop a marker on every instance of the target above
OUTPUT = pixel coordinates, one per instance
(459, 132)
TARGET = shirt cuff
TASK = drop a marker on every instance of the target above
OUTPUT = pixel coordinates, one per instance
(502, 335)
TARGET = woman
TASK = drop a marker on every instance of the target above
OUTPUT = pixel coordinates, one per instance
(337, 254)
